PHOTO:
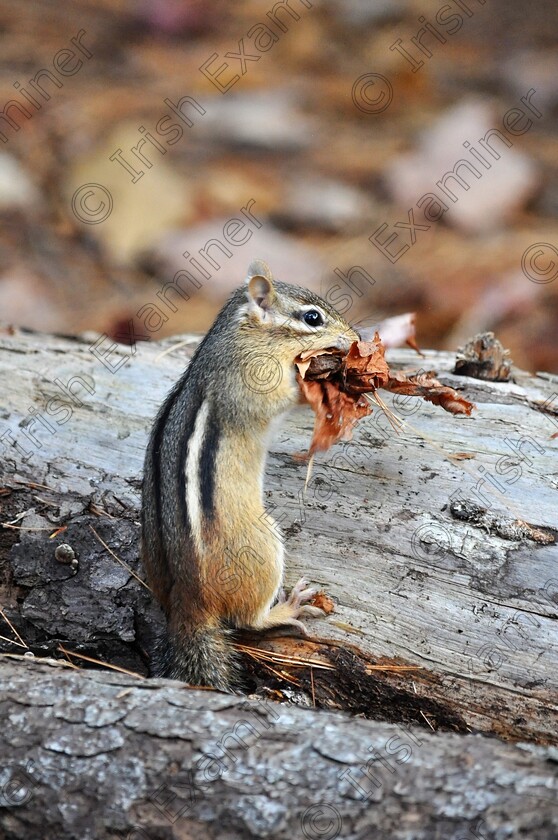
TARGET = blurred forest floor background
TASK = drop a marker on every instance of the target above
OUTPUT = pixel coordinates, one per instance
(335, 125)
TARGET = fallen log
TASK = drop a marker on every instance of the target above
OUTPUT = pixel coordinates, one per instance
(436, 542)
(93, 755)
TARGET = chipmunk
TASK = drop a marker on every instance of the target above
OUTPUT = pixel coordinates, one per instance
(213, 556)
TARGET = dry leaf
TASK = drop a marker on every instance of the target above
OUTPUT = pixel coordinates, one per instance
(334, 385)
(426, 386)
(336, 412)
(365, 368)
(323, 602)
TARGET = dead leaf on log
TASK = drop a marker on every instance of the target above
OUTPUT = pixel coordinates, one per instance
(335, 384)
(426, 386)
(323, 602)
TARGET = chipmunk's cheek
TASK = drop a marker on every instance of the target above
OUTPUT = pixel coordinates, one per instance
(290, 377)
(291, 390)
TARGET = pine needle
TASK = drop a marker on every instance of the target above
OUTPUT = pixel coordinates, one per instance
(308, 472)
(22, 528)
(122, 563)
(99, 662)
(295, 661)
(348, 628)
(385, 407)
(394, 668)
(58, 532)
(283, 676)
(12, 642)
(428, 722)
(172, 348)
(12, 628)
(32, 484)
(60, 663)
(98, 511)
(395, 422)
(282, 659)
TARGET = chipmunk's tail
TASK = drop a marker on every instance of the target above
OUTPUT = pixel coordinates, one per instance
(202, 656)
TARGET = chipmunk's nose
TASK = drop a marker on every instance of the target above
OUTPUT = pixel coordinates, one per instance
(345, 340)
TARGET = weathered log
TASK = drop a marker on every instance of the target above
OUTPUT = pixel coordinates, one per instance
(89, 756)
(438, 550)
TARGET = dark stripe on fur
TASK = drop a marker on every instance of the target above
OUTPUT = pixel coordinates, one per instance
(152, 549)
(207, 466)
(167, 547)
(156, 443)
(184, 565)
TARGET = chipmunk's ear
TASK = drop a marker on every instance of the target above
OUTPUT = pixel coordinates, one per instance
(260, 287)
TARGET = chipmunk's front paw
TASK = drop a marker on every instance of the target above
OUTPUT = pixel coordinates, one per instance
(301, 593)
(290, 610)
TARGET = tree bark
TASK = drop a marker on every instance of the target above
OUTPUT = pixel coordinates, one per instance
(91, 755)
(391, 526)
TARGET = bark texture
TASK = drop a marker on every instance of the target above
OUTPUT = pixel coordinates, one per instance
(89, 755)
(439, 554)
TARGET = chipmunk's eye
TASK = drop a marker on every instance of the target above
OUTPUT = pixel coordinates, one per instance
(313, 318)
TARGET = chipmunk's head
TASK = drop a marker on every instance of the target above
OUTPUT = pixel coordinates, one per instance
(297, 318)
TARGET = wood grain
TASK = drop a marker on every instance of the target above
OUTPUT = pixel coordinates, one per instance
(475, 611)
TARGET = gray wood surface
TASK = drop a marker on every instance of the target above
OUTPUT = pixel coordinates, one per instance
(472, 603)
(90, 755)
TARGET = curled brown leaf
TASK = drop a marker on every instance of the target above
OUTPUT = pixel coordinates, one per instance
(334, 384)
